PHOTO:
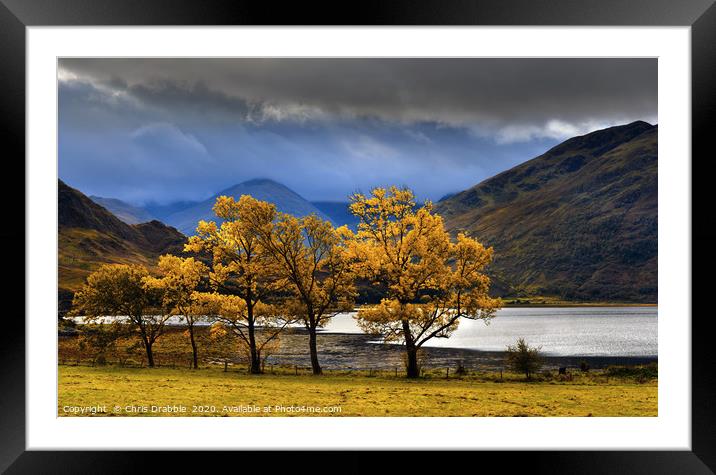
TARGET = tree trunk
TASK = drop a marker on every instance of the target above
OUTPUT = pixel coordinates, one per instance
(255, 363)
(411, 352)
(148, 348)
(412, 369)
(194, 351)
(314, 350)
(150, 356)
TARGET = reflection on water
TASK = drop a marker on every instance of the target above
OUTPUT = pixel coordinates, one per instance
(588, 331)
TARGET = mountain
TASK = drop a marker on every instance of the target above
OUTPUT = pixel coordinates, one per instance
(161, 211)
(446, 196)
(285, 200)
(578, 222)
(339, 213)
(128, 213)
(89, 235)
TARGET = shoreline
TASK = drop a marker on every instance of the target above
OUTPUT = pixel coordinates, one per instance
(351, 351)
(577, 305)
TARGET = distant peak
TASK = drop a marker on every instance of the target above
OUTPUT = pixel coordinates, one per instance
(261, 181)
(255, 182)
(636, 125)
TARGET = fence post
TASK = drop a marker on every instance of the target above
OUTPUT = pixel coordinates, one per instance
(296, 368)
(447, 373)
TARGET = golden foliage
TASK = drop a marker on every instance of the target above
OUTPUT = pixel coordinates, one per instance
(269, 269)
(240, 266)
(431, 282)
(122, 290)
(113, 289)
(313, 258)
(176, 286)
(244, 274)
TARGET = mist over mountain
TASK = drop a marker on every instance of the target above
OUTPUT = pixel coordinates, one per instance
(128, 213)
(161, 211)
(339, 212)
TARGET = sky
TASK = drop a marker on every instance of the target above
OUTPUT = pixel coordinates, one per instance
(165, 130)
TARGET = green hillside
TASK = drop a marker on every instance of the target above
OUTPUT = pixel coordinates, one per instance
(89, 236)
(578, 222)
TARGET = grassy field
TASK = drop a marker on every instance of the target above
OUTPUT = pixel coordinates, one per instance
(118, 391)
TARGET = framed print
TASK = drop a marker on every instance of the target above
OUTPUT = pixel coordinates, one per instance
(462, 227)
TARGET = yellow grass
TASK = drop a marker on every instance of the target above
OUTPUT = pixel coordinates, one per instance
(216, 393)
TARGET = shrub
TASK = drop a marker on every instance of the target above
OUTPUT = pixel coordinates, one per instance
(640, 373)
(522, 358)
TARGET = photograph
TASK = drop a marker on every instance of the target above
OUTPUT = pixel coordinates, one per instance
(357, 237)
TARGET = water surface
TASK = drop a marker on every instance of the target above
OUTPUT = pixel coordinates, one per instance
(561, 331)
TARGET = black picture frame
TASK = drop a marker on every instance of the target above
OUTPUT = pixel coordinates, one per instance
(700, 15)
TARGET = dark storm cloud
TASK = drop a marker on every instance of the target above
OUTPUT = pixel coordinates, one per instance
(328, 126)
(455, 91)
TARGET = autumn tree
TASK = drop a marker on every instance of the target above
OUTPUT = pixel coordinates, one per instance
(120, 290)
(431, 282)
(241, 267)
(180, 278)
(313, 258)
